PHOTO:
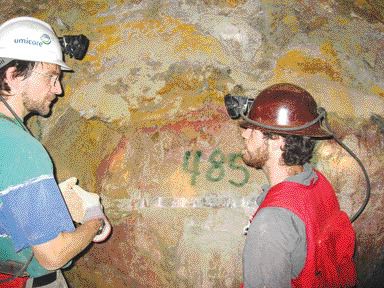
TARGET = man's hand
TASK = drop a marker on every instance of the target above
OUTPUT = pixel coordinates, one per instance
(73, 201)
(84, 206)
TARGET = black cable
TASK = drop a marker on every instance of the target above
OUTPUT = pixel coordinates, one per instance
(368, 182)
(306, 125)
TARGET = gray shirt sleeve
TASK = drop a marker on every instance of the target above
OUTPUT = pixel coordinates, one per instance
(275, 249)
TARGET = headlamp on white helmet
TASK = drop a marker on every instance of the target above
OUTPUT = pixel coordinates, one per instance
(30, 39)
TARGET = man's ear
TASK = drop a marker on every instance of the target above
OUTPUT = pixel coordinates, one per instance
(10, 73)
(5, 85)
(12, 80)
(277, 142)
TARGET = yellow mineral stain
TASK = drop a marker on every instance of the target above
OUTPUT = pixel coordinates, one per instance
(108, 36)
(337, 100)
(148, 27)
(88, 141)
(191, 40)
(159, 117)
(180, 93)
(181, 81)
(271, 2)
(67, 90)
(360, 3)
(317, 23)
(327, 49)
(91, 130)
(110, 41)
(235, 3)
(296, 65)
(67, 94)
(181, 38)
(180, 27)
(358, 48)
(106, 29)
(343, 20)
(41, 14)
(378, 90)
(297, 62)
(292, 22)
(187, 40)
(93, 7)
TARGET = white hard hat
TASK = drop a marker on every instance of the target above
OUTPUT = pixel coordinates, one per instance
(29, 39)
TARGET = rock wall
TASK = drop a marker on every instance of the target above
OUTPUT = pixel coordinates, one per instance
(143, 124)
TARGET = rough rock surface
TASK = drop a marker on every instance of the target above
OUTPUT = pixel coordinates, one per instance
(143, 124)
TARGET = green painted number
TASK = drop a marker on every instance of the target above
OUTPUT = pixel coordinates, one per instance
(216, 172)
(195, 165)
(234, 166)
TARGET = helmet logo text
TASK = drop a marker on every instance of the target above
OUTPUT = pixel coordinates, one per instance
(45, 39)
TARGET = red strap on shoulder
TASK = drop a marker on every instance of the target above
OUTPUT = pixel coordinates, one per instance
(18, 282)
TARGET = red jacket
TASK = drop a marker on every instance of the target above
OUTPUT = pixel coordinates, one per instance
(329, 233)
(16, 283)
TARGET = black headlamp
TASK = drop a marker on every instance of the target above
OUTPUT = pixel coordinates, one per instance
(237, 105)
(74, 45)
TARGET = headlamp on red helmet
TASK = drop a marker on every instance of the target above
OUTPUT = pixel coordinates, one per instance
(281, 108)
(288, 109)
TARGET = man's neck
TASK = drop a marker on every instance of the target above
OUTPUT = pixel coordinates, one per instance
(16, 108)
(277, 172)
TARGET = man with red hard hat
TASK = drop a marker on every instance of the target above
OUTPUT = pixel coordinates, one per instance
(37, 234)
(298, 236)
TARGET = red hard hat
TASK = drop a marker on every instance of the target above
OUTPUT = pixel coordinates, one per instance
(285, 105)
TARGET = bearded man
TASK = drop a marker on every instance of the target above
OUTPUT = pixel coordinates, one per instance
(298, 237)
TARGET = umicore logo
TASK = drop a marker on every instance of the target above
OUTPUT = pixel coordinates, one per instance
(45, 39)
(28, 41)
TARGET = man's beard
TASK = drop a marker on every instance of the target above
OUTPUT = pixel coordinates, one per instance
(256, 159)
(42, 107)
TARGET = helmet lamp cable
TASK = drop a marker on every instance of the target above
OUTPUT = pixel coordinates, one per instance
(354, 156)
(306, 125)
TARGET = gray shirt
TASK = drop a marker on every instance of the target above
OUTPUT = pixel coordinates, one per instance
(276, 247)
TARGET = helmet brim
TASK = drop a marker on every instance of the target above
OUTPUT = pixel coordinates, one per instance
(9, 57)
(64, 67)
(314, 131)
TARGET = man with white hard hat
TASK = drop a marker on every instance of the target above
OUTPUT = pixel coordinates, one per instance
(37, 234)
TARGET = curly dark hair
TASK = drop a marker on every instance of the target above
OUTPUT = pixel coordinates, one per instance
(297, 150)
(23, 68)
